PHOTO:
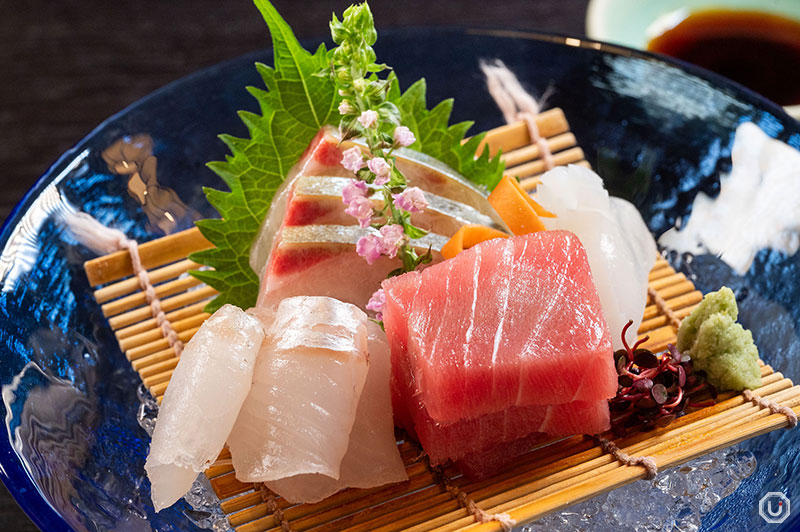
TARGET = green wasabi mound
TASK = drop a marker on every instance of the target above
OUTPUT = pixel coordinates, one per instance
(722, 301)
(720, 346)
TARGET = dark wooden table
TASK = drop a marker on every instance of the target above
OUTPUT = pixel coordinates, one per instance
(68, 65)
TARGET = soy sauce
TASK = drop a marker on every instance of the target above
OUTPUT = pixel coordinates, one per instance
(759, 50)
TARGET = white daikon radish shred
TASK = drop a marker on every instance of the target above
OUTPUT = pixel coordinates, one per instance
(201, 404)
(619, 246)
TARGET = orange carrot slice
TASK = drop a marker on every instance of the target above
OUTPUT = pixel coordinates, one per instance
(517, 209)
(468, 236)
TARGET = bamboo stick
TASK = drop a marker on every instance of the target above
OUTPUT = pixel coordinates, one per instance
(156, 358)
(677, 289)
(138, 299)
(533, 151)
(677, 302)
(533, 168)
(668, 280)
(658, 321)
(512, 136)
(155, 253)
(131, 284)
(152, 347)
(148, 324)
(171, 303)
(156, 334)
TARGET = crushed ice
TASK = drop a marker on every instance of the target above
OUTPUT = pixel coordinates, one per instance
(677, 499)
(206, 511)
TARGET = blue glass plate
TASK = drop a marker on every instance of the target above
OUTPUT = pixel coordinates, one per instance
(658, 131)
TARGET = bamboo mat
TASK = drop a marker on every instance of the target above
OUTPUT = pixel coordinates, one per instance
(551, 477)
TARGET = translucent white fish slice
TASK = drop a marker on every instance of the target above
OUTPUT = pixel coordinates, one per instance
(619, 246)
(306, 386)
(372, 457)
(201, 404)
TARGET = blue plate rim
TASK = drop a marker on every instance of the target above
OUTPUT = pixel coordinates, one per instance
(51, 519)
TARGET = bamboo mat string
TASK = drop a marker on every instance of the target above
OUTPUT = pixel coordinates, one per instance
(150, 295)
(101, 239)
(663, 307)
(272, 507)
(772, 405)
(611, 448)
(480, 515)
(516, 104)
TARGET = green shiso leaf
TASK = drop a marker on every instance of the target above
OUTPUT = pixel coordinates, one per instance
(297, 103)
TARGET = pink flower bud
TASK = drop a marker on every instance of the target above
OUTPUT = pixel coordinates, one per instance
(411, 199)
(377, 302)
(355, 188)
(361, 209)
(392, 237)
(353, 160)
(344, 108)
(369, 247)
(368, 118)
(379, 167)
(403, 136)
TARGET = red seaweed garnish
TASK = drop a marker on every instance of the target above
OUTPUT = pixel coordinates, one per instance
(654, 389)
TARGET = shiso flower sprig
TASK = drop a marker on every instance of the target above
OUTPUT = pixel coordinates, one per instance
(367, 113)
(654, 390)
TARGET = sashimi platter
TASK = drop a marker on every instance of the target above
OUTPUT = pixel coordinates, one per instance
(389, 326)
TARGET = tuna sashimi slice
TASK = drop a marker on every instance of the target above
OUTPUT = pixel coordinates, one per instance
(509, 322)
(454, 441)
(483, 464)
(201, 404)
(306, 386)
(372, 457)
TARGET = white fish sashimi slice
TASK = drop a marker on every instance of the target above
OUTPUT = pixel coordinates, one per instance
(306, 386)
(202, 402)
(372, 457)
(619, 246)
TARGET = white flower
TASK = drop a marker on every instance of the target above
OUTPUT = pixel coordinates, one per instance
(344, 108)
(368, 118)
(403, 136)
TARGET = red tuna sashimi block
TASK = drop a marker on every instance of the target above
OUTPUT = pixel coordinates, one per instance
(468, 438)
(481, 465)
(509, 322)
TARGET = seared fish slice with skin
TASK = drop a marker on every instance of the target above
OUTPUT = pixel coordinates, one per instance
(306, 386)
(372, 457)
(321, 260)
(323, 158)
(202, 402)
(317, 200)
